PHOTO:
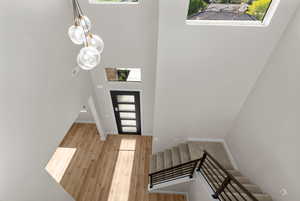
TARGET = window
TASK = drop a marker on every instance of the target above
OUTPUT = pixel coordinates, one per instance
(113, 1)
(123, 74)
(229, 10)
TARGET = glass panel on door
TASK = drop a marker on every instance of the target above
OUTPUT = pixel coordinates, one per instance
(125, 98)
(128, 122)
(129, 129)
(127, 115)
(126, 106)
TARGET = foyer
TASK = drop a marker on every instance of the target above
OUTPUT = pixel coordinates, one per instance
(112, 170)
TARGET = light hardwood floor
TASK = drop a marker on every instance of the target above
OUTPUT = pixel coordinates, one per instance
(111, 170)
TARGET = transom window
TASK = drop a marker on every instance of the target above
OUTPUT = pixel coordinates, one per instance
(123, 74)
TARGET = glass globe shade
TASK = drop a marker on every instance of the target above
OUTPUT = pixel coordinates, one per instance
(96, 42)
(85, 22)
(76, 34)
(88, 58)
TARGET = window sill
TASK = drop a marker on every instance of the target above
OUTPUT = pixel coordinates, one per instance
(226, 23)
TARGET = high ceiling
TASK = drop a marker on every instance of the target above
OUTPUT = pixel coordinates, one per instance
(198, 76)
(195, 78)
(130, 35)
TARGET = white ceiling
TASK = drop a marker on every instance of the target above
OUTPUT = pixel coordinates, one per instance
(204, 73)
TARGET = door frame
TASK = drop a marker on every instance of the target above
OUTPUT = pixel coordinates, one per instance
(92, 107)
(138, 109)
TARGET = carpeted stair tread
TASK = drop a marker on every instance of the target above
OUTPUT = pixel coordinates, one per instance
(241, 179)
(184, 153)
(153, 163)
(189, 151)
(160, 161)
(217, 150)
(250, 187)
(175, 156)
(258, 196)
(195, 151)
(167, 159)
(232, 172)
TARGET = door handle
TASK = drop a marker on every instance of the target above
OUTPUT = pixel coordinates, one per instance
(116, 109)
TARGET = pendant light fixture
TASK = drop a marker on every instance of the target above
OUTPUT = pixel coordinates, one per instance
(80, 34)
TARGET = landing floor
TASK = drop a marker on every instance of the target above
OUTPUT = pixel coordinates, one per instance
(113, 170)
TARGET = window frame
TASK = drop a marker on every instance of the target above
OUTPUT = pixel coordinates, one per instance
(116, 81)
(266, 21)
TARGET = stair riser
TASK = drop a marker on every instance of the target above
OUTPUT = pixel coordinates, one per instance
(234, 188)
(253, 189)
(167, 159)
(175, 156)
(184, 153)
(160, 161)
(153, 164)
(242, 180)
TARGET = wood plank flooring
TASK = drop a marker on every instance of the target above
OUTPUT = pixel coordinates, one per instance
(112, 170)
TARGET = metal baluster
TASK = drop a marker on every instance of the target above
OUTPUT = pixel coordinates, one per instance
(151, 181)
(222, 188)
(202, 161)
(193, 170)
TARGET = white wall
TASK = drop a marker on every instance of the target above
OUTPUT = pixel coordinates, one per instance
(129, 32)
(205, 73)
(265, 138)
(199, 190)
(39, 98)
(85, 117)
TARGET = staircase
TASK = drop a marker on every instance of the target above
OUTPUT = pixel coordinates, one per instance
(170, 158)
(211, 160)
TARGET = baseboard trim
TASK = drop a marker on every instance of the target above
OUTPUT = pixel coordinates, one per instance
(205, 139)
(85, 122)
(217, 140)
(231, 158)
(147, 134)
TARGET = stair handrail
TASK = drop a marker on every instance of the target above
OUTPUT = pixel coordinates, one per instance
(229, 177)
(173, 167)
(169, 172)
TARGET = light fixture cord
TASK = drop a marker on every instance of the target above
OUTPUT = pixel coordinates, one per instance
(79, 8)
(86, 30)
(74, 11)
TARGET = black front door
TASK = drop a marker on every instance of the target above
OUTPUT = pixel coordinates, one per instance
(126, 106)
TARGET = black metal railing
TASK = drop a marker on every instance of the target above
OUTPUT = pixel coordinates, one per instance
(173, 173)
(225, 186)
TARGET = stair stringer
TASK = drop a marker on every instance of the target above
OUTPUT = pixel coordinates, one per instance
(178, 186)
(194, 189)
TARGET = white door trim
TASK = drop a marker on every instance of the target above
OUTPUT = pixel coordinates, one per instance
(95, 115)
